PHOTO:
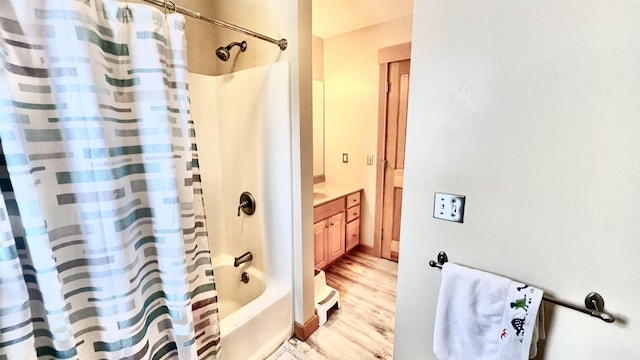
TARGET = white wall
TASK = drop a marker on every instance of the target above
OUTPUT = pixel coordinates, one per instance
(530, 109)
(243, 130)
(352, 76)
(317, 52)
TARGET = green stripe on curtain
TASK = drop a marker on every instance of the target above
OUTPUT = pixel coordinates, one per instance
(151, 35)
(64, 134)
(138, 214)
(92, 118)
(127, 150)
(107, 46)
(33, 106)
(67, 177)
(122, 82)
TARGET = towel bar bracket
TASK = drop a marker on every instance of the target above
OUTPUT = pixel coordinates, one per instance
(593, 302)
(442, 257)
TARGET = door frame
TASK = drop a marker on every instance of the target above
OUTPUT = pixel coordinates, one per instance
(386, 55)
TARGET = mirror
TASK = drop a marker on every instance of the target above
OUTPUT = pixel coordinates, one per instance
(318, 128)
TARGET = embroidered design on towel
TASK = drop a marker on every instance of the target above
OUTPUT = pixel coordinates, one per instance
(521, 303)
(519, 312)
(518, 325)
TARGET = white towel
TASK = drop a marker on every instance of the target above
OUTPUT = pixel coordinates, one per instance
(484, 316)
(538, 332)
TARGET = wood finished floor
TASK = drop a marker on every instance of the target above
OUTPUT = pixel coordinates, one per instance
(364, 325)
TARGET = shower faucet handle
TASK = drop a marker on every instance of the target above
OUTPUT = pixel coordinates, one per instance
(247, 203)
(241, 206)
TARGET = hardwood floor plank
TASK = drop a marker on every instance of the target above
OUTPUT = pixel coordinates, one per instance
(363, 327)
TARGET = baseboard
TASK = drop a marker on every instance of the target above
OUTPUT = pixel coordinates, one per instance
(303, 332)
(367, 249)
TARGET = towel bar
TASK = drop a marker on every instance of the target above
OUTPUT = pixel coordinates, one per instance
(593, 302)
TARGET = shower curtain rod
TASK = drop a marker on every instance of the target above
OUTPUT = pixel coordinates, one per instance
(282, 43)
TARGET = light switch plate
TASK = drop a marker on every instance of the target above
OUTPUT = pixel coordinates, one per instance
(448, 207)
(345, 158)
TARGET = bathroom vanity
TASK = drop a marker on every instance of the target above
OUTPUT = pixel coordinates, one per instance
(336, 222)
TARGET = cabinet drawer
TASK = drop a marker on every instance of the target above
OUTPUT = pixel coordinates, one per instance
(325, 210)
(353, 199)
(353, 234)
(353, 213)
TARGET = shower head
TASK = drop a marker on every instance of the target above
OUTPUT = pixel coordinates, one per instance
(223, 52)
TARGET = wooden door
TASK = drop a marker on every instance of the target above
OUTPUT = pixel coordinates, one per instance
(394, 151)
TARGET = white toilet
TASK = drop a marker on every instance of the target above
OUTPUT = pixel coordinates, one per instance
(325, 296)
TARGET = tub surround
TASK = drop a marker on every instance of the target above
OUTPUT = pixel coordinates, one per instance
(257, 319)
(336, 222)
(233, 294)
(259, 310)
(260, 327)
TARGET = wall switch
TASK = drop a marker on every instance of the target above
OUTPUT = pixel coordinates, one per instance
(345, 158)
(448, 207)
(369, 159)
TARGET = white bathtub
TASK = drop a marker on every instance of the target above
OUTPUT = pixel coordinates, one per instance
(255, 318)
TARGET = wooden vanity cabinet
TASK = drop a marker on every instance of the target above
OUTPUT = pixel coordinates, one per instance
(328, 238)
(336, 228)
(328, 230)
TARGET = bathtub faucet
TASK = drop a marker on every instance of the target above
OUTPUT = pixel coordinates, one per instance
(242, 259)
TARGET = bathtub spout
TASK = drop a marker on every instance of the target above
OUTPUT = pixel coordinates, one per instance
(242, 259)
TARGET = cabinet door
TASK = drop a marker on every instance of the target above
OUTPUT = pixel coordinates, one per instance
(353, 234)
(335, 236)
(320, 249)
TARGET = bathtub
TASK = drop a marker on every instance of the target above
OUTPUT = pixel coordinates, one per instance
(255, 318)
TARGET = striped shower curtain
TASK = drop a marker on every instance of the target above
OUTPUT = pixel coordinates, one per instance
(103, 243)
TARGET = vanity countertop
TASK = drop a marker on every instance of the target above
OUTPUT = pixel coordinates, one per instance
(325, 192)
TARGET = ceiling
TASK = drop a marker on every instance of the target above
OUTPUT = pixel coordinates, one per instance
(334, 17)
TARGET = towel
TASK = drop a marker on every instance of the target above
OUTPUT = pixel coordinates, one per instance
(484, 316)
(538, 332)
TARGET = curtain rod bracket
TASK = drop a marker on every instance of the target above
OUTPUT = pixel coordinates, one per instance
(283, 43)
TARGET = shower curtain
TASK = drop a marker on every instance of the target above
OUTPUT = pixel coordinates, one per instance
(103, 243)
